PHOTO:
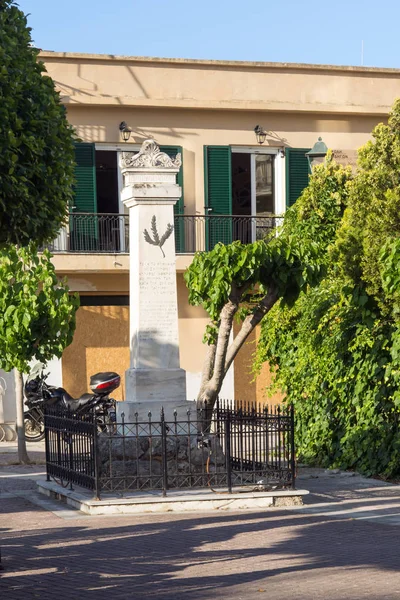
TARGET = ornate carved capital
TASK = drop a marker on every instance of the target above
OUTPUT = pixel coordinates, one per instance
(149, 156)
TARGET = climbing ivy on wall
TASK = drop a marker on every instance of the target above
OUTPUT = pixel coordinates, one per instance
(336, 351)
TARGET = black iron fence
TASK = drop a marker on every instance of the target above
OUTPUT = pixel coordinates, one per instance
(71, 447)
(108, 233)
(246, 446)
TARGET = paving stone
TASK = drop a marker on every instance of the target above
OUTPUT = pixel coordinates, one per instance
(325, 551)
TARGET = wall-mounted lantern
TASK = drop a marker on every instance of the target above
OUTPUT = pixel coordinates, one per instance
(261, 134)
(317, 153)
(125, 131)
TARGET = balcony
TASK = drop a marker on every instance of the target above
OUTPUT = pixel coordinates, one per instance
(88, 233)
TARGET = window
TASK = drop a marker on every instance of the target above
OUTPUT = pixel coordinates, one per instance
(98, 194)
(244, 187)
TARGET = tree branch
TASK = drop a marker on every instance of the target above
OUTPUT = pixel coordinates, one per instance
(214, 372)
(249, 324)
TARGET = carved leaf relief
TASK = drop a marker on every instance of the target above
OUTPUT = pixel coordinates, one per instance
(150, 156)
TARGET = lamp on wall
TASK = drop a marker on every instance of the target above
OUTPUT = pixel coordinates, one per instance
(317, 153)
(125, 131)
(261, 134)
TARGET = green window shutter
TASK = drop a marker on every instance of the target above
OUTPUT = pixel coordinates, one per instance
(172, 151)
(84, 232)
(218, 194)
(85, 175)
(297, 171)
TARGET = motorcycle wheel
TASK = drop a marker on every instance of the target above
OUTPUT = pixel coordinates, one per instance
(34, 427)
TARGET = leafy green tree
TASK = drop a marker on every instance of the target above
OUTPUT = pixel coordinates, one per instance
(372, 219)
(37, 316)
(247, 280)
(36, 187)
(36, 141)
(337, 349)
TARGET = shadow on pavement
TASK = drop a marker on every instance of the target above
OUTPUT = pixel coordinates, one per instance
(172, 557)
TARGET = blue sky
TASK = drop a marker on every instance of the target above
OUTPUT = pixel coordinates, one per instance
(266, 30)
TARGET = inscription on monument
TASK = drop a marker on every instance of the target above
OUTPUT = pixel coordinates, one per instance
(157, 306)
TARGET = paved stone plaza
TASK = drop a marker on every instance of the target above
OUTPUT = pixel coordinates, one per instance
(342, 545)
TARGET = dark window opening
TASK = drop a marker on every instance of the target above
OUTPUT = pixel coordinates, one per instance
(107, 181)
(241, 184)
(104, 300)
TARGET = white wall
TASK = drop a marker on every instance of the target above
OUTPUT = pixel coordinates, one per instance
(193, 381)
(8, 412)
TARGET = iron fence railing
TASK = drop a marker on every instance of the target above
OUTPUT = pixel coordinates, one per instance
(229, 449)
(71, 441)
(92, 233)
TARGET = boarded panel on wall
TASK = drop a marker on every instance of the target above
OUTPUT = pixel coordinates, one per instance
(101, 343)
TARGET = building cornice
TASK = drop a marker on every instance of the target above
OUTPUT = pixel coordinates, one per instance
(47, 56)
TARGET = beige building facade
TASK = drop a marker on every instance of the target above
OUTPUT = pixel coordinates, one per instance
(207, 110)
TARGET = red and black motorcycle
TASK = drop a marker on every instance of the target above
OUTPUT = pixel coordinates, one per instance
(39, 394)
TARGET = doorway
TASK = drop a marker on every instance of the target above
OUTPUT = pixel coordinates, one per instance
(253, 194)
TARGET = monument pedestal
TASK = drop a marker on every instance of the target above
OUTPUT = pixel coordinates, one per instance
(150, 390)
(156, 385)
(153, 390)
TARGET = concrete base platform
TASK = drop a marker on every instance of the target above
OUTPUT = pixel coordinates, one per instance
(176, 501)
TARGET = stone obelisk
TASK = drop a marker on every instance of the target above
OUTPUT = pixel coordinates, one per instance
(154, 379)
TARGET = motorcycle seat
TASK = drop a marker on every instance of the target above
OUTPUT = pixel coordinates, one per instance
(74, 404)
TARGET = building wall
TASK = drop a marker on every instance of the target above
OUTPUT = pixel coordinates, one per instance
(95, 80)
(8, 412)
(193, 104)
(101, 340)
(194, 129)
(248, 387)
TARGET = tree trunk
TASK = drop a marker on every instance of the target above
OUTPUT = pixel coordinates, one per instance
(208, 369)
(220, 357)
(19, 394)
(214, 371)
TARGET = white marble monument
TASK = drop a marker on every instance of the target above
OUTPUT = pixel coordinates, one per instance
(154, 378)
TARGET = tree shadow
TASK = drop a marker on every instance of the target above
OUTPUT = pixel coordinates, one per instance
(171, 557)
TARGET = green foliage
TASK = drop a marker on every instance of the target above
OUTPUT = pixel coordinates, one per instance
(315, 216)
(289, 261)
(336, 351)
(37, 313)
(249, 268)
(373, 215)
(36, 141)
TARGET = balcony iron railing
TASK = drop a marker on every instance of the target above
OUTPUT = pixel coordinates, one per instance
(92, 233)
